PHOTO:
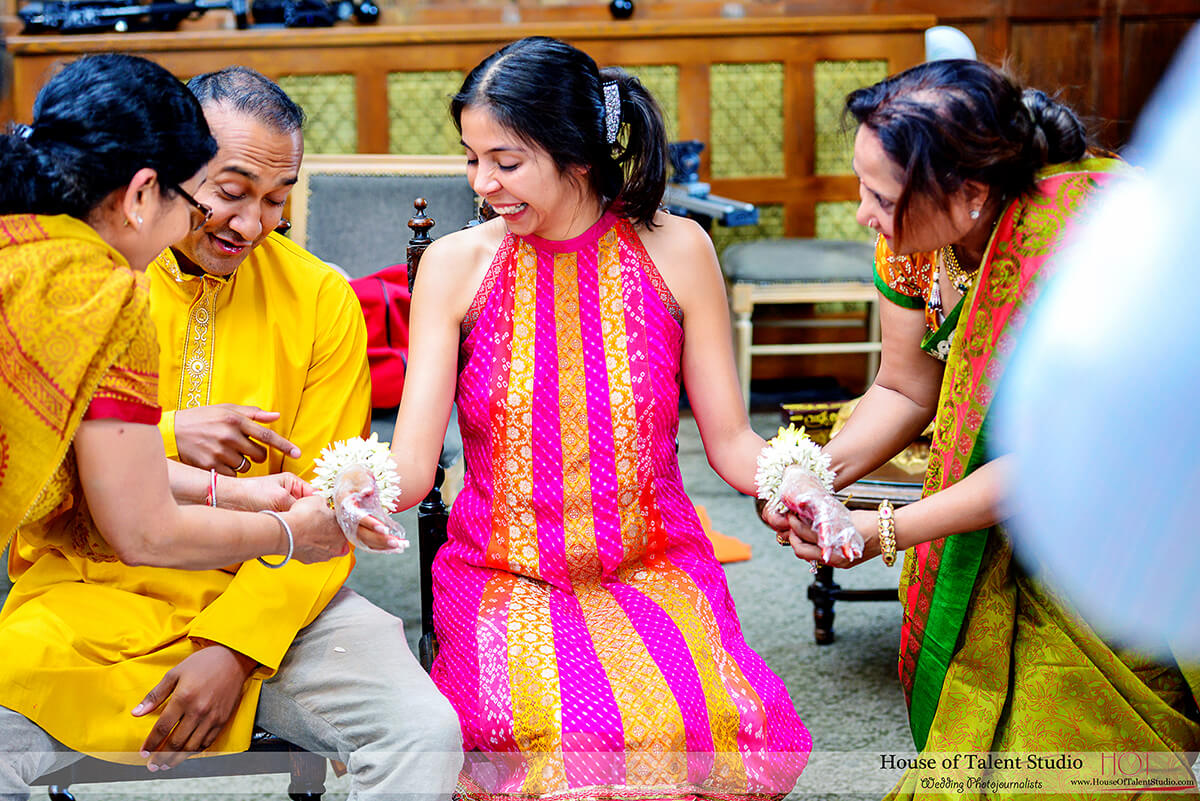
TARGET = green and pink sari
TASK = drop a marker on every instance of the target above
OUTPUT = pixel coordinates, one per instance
(990, 659)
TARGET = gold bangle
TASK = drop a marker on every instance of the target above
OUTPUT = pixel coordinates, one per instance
(887, 533)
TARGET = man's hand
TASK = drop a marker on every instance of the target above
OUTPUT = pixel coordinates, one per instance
(226, 437)
(276, 492)
(200, 693)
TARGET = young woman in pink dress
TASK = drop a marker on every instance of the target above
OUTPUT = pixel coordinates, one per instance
(587, 637)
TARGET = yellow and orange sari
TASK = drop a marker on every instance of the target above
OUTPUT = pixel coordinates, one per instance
(75, 342)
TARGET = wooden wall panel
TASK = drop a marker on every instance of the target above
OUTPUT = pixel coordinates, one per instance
(1105, 55)
(1147, 47)
(694, 47)
(1073, 69)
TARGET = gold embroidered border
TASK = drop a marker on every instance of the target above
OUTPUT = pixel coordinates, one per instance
(195, 382)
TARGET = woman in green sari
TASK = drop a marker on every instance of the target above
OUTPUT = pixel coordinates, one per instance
(974, 187)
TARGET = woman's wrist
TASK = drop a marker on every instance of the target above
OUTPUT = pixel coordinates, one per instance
(228, 494)
(283, 522)
(867, 523)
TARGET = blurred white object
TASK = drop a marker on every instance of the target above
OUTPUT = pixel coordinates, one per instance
(944, 41)
(1102, 398)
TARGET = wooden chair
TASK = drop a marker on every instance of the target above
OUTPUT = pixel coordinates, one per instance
(268, 753)
(432, 514)
(799, 271)
(343, 207)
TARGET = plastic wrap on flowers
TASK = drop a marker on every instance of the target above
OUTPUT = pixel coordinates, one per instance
(358, 478)
(794, 475)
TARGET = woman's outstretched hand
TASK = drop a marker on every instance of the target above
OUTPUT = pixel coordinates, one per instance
(316, 534)
(803, 536)
(817, 525)
(360, 513)
(804, 495)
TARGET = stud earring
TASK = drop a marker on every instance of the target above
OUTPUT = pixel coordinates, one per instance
(139, 218)
(974, 214)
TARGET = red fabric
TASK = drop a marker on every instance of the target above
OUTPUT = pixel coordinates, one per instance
(385, 301)
(127, 410)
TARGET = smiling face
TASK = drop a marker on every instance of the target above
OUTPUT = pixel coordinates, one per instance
(248, 182)
(522, 183)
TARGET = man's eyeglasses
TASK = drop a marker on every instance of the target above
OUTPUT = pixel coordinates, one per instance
(200, 213)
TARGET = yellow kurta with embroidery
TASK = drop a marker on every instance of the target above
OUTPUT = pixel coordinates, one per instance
(285, 332)
(84, 637)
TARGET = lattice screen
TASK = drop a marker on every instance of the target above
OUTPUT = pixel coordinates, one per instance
(833, 81)
(419, 113)
(332, 110)
(836, 221)
(746, 108)
(770, 225)
(662, 80)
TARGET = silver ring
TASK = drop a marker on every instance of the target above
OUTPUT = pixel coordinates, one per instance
(243, 465)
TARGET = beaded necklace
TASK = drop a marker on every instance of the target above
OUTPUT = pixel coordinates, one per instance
(962, 279)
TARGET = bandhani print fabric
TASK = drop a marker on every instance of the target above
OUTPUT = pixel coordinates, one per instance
(587, 638)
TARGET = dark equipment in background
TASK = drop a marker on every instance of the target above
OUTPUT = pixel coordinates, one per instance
(621, 9)
(312, 13)
(119, 16)
(688, 196)
(99, 16)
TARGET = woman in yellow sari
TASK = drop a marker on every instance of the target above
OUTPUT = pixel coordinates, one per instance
(974, 187)
(95, 188)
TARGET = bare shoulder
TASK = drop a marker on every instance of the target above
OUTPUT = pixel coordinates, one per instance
(453, 267)
(682, 252)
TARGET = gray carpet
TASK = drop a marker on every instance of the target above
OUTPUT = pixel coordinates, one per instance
(847, 693)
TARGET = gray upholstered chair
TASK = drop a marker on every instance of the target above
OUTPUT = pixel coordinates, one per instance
(785, 271)
(350, 210)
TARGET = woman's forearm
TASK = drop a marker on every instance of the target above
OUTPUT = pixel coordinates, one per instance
(132, 501)
(976, 502)
(189, 485)
(199, 538)
(884, 423)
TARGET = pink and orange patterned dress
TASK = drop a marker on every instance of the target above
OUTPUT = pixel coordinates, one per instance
(587, 637)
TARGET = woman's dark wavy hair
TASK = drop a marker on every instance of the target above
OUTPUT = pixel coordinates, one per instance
(550, 94)
(947, 122)
(95, 124)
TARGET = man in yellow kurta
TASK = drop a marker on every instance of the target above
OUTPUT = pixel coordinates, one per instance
(262, 363)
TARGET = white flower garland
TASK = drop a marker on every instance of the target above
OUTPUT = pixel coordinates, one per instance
(371, 454)
(791, 446)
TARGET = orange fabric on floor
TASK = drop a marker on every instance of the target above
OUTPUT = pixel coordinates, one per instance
(728, 549)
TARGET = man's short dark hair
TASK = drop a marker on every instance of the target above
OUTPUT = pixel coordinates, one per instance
(249, 92)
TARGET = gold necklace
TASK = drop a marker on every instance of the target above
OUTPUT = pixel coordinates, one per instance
(961, 278)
